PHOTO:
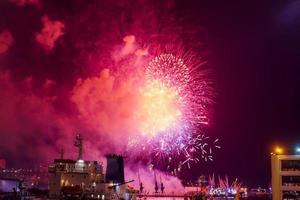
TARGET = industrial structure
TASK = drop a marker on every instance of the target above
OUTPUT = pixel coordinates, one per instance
(285, 175)
(80, 178)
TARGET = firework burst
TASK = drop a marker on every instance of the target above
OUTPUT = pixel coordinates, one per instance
(174, 107)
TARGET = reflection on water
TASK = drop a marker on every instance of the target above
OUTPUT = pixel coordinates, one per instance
(215, 198)
(162, 198)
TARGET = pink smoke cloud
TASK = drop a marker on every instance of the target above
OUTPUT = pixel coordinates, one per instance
(147, 178)
(140, 54)
(106, 105)
(26, 117)
(50, 33)
(48, 84)
(129, 46)
(26, 2)
(6, 41)
(102, 104)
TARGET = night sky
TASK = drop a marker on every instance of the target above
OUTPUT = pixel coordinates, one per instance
(255, 53)
(252, 49)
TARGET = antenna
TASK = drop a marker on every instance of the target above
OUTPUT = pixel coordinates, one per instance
(140, 183)
(155, 182)
(162, 187)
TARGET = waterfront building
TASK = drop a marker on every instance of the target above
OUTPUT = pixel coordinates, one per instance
(285, 175)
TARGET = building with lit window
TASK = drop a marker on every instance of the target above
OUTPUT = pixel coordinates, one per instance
(285, 176)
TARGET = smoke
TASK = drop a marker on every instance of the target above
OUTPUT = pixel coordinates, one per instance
(88, 84)
(129, 45)
(26, 2)
(147, 176)
(107, 103)
(105, 106)
(50, 33)
(31, 129)
(6, 40)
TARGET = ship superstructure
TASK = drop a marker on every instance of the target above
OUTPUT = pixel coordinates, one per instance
(80, 178)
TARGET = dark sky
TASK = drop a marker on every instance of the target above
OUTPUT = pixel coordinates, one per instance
(253, 50)
(255, 54)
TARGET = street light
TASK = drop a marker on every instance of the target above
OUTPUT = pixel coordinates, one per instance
(297, 149)
(279, 150)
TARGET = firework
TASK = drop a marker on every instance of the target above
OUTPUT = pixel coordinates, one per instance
(173, 108)
(188, 91)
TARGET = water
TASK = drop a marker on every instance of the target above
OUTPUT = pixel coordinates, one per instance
(215, 198)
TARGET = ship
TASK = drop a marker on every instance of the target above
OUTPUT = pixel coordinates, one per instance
(82, 179)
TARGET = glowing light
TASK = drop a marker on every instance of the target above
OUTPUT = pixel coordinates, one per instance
(278, 150)
(297, 149)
